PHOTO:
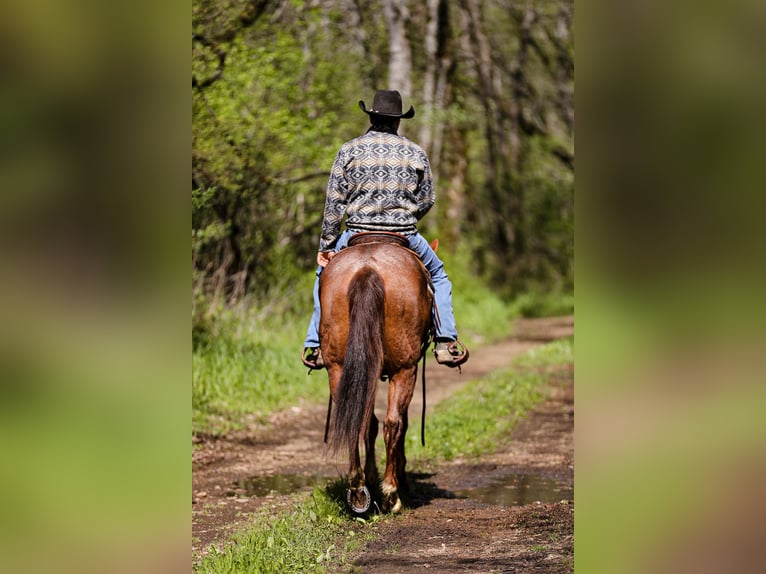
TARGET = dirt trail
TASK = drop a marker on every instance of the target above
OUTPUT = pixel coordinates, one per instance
(444, 531)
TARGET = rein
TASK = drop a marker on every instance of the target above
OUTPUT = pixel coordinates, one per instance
(423, 350)
(327, 422)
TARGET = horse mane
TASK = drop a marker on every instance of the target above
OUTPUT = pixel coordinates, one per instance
(363, 360)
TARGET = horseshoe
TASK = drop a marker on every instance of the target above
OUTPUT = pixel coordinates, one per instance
(353, 493)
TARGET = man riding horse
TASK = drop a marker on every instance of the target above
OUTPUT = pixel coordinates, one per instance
(382, 182)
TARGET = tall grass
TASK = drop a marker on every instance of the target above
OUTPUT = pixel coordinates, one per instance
(483, 315)
(542, 304)
(235, 381)
(246, 365)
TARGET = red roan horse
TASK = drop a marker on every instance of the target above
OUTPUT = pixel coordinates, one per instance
(376, 318)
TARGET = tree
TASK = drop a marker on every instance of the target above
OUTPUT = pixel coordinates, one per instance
(400, 57)
(274, 91)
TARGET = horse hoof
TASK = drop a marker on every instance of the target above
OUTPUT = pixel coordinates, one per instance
(392, 505)
(359, 499)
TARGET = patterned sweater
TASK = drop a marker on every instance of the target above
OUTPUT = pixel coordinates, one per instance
(382, 182)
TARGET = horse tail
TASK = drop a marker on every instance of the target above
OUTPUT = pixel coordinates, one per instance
(363, 362)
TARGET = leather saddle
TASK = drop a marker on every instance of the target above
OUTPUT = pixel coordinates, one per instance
(379, 237)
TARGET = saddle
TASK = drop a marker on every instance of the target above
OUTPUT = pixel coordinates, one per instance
(379, 237)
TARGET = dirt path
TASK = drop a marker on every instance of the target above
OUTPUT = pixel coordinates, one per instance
(455, 523)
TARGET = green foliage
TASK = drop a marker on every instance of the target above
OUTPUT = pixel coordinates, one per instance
(542, 305)
(481, 314)
(275, 86)
(548, 218)
(296, 541)
(264, 136)
(246, 365)
(473, 420)
(275, 94)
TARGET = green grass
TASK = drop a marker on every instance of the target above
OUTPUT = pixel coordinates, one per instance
(296, 541)
(249, 367)
(474, 419)
(320, 530)
(482, 315)
(542, 305)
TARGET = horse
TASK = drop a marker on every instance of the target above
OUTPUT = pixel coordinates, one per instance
(376, 303)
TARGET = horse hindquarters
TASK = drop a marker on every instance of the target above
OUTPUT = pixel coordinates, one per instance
(355, 396)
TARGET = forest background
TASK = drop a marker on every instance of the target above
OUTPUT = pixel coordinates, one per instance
(275, 88)
(275, 91)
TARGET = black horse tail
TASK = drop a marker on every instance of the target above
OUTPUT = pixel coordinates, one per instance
(362, 366)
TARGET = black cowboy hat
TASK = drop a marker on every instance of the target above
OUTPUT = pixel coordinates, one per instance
(387, 103)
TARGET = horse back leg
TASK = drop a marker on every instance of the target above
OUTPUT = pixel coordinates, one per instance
(370, 466)
(400, 390)
(358, 495)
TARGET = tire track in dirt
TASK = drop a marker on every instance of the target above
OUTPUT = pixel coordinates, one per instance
(292, 444)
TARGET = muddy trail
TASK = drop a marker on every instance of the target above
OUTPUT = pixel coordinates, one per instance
(509, 511)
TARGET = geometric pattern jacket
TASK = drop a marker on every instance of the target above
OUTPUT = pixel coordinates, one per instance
(381, 182)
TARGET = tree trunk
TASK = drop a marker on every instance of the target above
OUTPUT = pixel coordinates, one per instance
(429, 80)
(566, 66)
(354, 12)
(478, 46)
(400, 58)
(439, 65)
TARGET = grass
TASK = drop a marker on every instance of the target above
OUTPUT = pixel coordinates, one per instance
(474, 419)
(542, 305)
(249, 368)
(320, 530)
(296, 541)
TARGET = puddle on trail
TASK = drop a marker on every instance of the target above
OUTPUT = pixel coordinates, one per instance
(512, 490)
(518, 490)
(277, 484)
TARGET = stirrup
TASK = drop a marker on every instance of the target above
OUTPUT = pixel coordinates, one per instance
(452, 354)
(317, 362)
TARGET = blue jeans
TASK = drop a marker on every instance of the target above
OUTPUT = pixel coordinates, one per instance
(442, 289)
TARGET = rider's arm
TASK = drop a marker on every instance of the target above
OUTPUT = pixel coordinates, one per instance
(425, 193)
(335, 203)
